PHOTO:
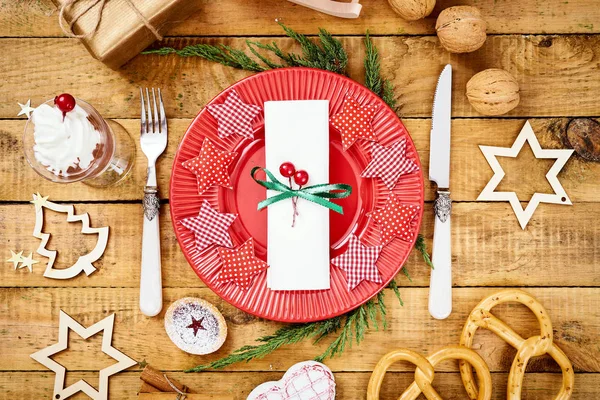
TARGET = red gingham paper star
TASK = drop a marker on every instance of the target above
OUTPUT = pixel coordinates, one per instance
(234, 116)
(240, 265)
(394, 220)
(389, 163)
(354, 122)
(359, 263)
(210, 167)
(210, 227)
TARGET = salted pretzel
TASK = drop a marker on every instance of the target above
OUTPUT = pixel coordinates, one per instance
(538, 345)
(425, 372)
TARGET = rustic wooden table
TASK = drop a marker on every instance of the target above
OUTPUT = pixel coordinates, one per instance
(551, 46)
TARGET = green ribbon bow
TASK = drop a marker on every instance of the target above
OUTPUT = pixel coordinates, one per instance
(317, 193)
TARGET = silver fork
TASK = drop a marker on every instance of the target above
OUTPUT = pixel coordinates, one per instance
(153, 141)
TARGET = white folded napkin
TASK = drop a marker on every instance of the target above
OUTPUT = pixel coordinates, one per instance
(298, 257)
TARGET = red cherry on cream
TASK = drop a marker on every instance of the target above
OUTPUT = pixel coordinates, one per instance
(287, 169)
(65, 103)
(301, 177)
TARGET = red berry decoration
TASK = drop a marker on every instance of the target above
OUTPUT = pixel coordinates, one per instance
(65, 103)
(287, 169)
(301, 177)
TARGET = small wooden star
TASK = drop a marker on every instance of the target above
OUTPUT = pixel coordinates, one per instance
(240, 265)
(394, 220)
(354, 122)
(28, 262)
(39, 201)
(26, 109)
(210, 167)
(15, 258)
(196, 325)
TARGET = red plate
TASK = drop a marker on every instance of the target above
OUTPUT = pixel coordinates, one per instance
(345, 167)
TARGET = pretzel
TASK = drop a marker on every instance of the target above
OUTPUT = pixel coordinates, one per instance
(534, 346)
(425, 372)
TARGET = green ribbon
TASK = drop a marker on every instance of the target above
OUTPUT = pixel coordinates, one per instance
(317, 193)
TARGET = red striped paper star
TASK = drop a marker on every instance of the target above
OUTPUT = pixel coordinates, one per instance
(389, 163)
(234, 116)
(210, 227)
(354, 122)
(210, 167)
(358, 261)
(240, 265)
(394, 220)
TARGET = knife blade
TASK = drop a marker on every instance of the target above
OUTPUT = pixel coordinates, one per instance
(440, 287)
(439, 153)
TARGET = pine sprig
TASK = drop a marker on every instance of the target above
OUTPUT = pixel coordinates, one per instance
(328, 54)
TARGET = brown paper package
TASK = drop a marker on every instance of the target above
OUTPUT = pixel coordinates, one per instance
(121, 34)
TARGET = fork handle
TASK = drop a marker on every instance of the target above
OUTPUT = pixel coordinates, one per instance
(151, 280)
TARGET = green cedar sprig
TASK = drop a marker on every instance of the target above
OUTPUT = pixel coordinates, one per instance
(327, 54)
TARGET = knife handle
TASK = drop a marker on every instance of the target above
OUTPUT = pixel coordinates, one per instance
(440, 287)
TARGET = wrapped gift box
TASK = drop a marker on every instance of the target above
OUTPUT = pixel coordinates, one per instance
(122, 34)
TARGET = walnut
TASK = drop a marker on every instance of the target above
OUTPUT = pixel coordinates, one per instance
(493, 92)
(412, 10)
(461, 29)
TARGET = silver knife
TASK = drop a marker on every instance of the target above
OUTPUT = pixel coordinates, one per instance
(440, 287)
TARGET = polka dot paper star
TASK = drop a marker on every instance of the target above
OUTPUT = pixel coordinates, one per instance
(234, 116)
(210, 227)
(389, 163)
(240, 265)
(358, 261)
(210, 167)
(354, 122)
(394, 220)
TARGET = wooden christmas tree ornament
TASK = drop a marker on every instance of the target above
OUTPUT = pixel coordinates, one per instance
(336, 8)
(84, 263)
(66, 323)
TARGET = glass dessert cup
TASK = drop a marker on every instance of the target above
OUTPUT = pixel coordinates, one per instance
(113, 156)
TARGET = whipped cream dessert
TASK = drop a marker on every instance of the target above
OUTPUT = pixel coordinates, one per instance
(64, 145)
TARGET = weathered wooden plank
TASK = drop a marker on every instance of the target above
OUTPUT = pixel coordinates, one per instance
(559, 247)
(243, 17)
(29, 321)
(470, 171)
(557, 74)
(349, 386)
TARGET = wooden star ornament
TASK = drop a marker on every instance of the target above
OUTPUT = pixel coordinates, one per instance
(28, 262)
(210, 167)
(395, 220)
(26, 109)
(15, 258)
(524, 214)
(240, 265)
(354, 122)
(67, 323)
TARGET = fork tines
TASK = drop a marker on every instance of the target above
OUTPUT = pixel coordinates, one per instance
(152, 124)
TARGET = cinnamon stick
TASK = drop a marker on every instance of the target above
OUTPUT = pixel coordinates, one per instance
(157, 379)
(148, 388)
